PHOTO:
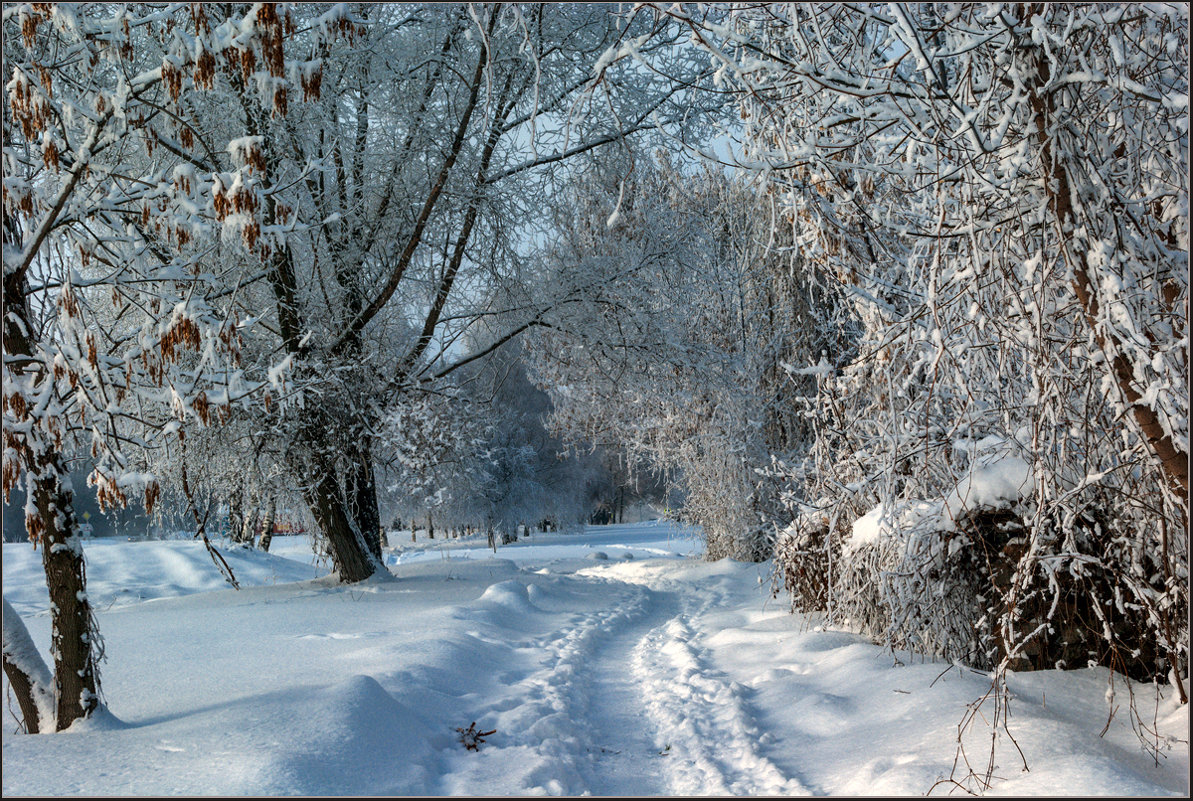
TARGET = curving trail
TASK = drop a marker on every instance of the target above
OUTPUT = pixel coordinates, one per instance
(712, 737)
(623, 700)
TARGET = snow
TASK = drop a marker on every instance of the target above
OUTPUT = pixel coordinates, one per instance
(879, 523)
(996, 481)
(660, 674)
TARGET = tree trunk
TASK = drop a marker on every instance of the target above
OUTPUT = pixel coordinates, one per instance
(74, 635)
(430, 527)
(351, 556)
(363, 491)
(267, 524)
(27, 674)
(235, 514)
(247, 526)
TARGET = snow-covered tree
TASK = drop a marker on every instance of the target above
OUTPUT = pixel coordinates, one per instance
(694, 313)
(1003, 192)
(121, 320)
(486, 460)
(390, 205)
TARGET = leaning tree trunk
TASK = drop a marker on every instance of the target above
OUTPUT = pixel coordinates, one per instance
(1064, 202)
(1173, 461)
(27, 673)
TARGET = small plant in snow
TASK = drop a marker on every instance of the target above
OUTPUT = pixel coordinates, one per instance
(471, 738)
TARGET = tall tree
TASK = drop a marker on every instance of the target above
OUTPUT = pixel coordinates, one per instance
(119, 330)
(680, 354)
(393, 204)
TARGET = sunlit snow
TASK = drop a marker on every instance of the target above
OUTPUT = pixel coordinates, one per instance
(649, 672)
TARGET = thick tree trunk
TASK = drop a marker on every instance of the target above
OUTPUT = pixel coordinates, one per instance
(351, 556)
(73, 632)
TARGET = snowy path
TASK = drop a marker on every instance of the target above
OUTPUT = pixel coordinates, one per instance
(625, 702)
(712, 737)
(610, 663)
(580, 709)
(629, 761)
(704, 723)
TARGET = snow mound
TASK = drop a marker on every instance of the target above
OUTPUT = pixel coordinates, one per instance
(378, 745)
(995, 481)
(121, 573)
(510, 595)
(101, 720)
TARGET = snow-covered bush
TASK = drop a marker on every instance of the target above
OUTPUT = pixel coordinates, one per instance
(1002, 192)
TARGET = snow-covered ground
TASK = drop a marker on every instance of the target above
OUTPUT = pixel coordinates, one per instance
(612, 662)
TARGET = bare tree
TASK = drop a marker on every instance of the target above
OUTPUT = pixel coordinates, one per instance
(695, 311)
(390, 208)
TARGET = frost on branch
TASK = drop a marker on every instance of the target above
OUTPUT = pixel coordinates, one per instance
(1002, 193)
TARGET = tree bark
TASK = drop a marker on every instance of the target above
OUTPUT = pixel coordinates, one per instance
(73, 634)
(235, 515)
(249, 524)
(351, 556)
(267, 524)
(363, 486)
